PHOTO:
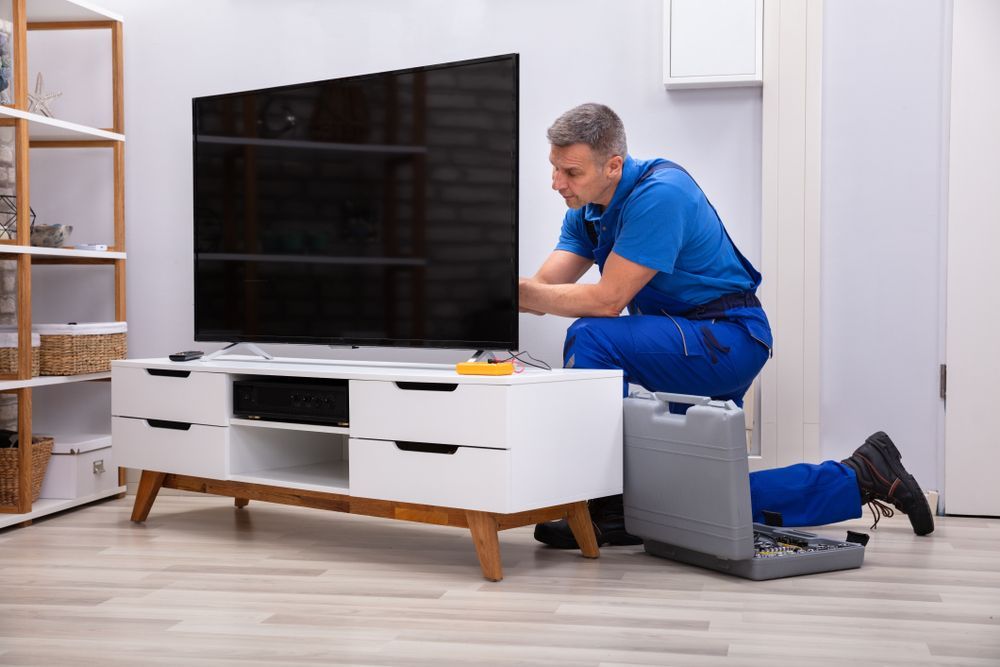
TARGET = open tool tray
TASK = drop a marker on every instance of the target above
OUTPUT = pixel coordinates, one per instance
(778, 552)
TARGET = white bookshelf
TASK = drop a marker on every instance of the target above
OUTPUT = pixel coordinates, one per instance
(44, 146)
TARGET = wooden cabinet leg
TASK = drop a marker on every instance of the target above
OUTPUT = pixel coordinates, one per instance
(583, 529)
(241, 502)
(145, 495)
(484, 535)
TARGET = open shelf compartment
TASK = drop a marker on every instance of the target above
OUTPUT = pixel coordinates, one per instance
(292, 458)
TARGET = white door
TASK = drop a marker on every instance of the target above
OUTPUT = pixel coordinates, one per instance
(972, 427)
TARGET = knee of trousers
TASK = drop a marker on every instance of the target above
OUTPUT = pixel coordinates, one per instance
(586, 347)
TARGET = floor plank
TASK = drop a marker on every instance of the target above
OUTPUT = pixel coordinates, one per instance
(204, 583)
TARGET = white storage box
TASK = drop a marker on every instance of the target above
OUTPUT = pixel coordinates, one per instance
(8, 352)
(72, 349)
(81, 465)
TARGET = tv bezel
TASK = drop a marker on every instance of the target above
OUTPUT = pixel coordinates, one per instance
(335, 341)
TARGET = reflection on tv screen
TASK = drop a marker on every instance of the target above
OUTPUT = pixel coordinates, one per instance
(376, 210)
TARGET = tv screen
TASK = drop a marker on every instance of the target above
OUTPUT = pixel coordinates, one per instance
(369, 210)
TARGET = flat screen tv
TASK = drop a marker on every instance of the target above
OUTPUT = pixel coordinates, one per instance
(369, 210)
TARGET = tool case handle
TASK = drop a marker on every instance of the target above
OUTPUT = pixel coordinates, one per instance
(686, 399)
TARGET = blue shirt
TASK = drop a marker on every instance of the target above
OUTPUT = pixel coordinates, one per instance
(662, 222)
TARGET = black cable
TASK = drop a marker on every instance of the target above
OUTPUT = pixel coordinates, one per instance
(517, 355)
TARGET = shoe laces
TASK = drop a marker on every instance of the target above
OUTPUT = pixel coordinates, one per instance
(883, 510)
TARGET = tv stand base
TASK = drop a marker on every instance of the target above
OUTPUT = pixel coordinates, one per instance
(484, 526)
(253, 349)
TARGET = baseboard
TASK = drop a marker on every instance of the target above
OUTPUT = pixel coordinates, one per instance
(932, 500)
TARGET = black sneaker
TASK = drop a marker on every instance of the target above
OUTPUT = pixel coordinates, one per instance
(608, 517)
(883, 479)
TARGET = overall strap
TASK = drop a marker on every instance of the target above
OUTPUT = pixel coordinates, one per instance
(747, 266)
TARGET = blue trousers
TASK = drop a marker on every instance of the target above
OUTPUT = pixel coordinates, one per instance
(716, 358)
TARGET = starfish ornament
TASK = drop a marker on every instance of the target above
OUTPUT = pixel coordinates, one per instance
(38, 101)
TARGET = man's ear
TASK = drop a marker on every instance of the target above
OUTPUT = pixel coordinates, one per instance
(613, 167)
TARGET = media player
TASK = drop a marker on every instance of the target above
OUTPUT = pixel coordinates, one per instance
(301, 400)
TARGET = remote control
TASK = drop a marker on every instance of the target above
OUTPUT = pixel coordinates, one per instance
(187, 355)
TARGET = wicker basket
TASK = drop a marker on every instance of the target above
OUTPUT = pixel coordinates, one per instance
(41, 451)
(8, 353)
(72, 349)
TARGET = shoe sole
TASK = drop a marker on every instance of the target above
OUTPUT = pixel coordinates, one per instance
(619, 539)
(921, 518)
(554, 539)
(611, 539)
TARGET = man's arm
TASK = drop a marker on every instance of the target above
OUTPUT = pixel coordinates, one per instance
(562, 267)
(620, 281)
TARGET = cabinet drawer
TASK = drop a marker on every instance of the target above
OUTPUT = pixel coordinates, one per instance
(175, 395)
(467, 478)
(186, 449)
(456, 414)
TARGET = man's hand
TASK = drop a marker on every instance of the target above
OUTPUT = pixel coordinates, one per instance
(559, 268)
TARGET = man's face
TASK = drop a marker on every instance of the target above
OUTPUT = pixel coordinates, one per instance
(581, 177)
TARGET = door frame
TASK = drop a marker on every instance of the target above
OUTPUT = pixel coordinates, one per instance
(969, 453)
(789, 406)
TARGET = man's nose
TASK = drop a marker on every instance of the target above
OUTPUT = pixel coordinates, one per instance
(557, 183)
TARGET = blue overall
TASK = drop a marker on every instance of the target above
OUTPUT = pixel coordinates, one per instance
(712, 349)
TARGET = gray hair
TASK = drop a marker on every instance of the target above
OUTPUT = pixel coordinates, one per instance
(592, 124)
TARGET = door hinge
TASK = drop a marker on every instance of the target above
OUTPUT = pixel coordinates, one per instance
(943, 382)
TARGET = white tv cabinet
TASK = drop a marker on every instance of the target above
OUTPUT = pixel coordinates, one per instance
(518, 449)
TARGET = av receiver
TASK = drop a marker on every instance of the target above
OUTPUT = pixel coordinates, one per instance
(302, 400)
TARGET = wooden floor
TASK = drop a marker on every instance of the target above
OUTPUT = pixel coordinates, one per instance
(202, 583)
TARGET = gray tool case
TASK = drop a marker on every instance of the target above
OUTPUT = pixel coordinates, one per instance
(687, 494)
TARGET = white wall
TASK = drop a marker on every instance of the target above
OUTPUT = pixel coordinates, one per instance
(74, 186)
(883, 184)
(572, 51)
(884, 170)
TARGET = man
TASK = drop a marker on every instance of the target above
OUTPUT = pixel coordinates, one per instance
(694, 323)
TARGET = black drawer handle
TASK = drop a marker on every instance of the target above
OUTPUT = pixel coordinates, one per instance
(428, 386)
(425, 447)
(163, 423)
(169, 374)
